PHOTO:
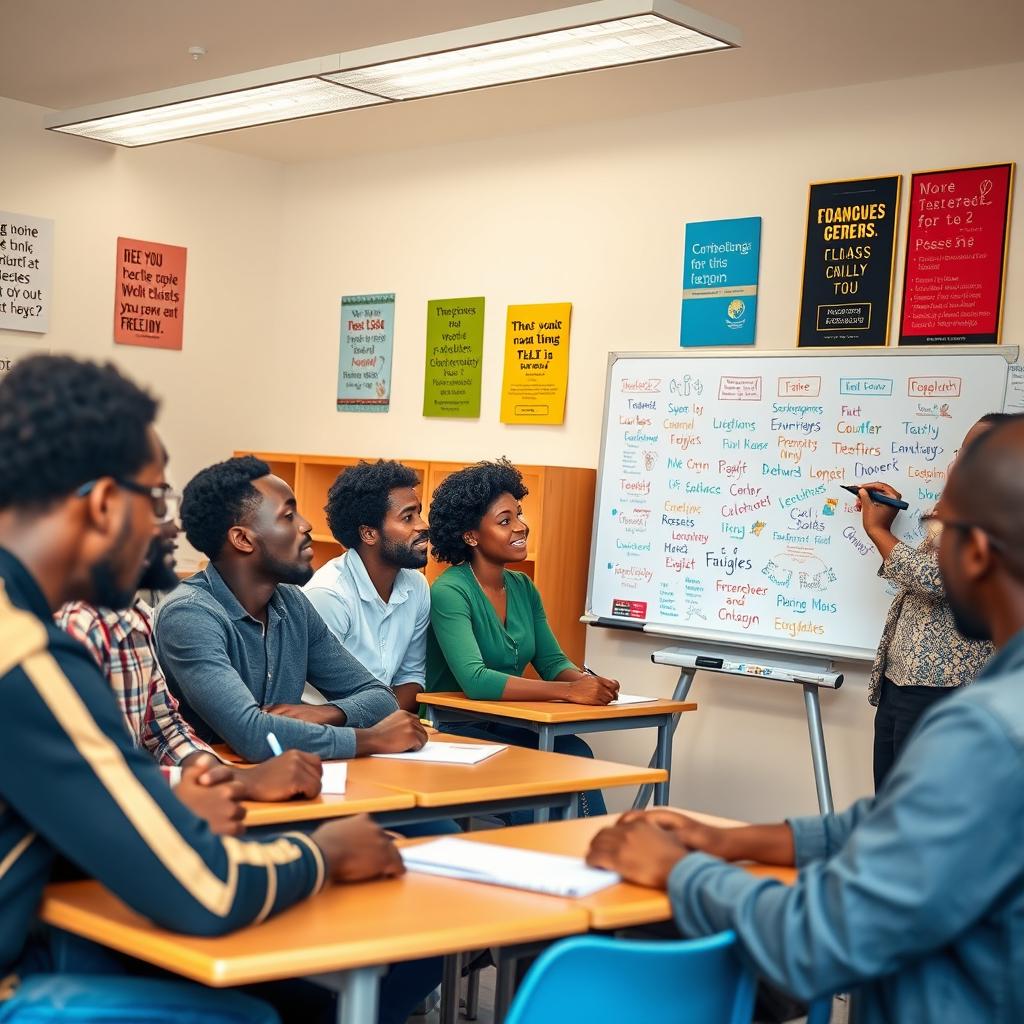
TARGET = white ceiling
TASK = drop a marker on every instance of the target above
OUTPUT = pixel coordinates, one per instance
(68, 53)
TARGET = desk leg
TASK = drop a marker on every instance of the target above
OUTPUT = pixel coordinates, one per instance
(681, 692)
(358, 993)
(545, 742)
(663, 759)
(818, 756)
(450, 989)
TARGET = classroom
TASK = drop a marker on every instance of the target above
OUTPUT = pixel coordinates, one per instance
(690, 294)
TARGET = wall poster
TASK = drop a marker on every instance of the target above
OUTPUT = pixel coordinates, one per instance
(536, 363)
(149, 294)
(455, 352)
(955, 270)
(364, 352)
(848, 262)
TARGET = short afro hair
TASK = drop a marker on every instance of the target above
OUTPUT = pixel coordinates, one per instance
(217, 498)
(460, 501)
(64, 422)
(359, 497)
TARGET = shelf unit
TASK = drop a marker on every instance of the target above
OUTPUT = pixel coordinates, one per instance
(559, 510)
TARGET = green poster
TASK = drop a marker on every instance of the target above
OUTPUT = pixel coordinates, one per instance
(455, 349)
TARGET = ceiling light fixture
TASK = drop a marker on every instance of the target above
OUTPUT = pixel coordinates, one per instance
(588, 37)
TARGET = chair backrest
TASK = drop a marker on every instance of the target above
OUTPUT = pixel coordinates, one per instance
(607, 981)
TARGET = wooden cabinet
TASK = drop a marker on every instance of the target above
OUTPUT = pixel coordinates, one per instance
(559, 510)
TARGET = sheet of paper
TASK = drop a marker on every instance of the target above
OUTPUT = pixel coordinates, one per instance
(448, 753)
(629, 698)
(501, 865)
(1015, 389)
(335, 777)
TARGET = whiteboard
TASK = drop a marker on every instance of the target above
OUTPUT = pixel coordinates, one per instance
(719, 513)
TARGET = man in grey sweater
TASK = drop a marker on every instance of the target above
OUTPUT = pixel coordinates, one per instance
(239, 640)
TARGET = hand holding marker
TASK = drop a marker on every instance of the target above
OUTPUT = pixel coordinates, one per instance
(877, 496)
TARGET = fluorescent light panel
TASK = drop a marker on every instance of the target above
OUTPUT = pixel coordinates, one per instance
(587, 37)
(284, 101)
(587, 48)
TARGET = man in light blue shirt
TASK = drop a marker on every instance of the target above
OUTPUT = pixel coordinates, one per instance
(372, 597)
(913, 899)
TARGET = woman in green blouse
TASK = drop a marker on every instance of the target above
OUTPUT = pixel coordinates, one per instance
(487, 623)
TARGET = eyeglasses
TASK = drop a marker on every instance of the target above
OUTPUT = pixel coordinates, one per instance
(935, 526)
(166, 502)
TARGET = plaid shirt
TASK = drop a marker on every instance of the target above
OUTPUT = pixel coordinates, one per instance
(122, 645)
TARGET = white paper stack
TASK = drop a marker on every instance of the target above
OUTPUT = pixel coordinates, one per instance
(628, 698)
(335, 777)
(449, 753)
(550, 873)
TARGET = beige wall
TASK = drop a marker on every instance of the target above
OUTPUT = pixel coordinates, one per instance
(594, 216)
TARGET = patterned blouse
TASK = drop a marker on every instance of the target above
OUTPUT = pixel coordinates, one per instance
(920, 644)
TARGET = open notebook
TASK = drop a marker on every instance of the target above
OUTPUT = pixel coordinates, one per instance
(550, 873)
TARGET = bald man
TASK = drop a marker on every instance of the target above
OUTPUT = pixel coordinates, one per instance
(912, 899)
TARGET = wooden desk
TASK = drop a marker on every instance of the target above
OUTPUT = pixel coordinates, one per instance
(358, 798)
(342, 937)
(557, 718)
(621, 906)
(516, 778)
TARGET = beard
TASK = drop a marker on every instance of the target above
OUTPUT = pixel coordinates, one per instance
(967, 619)
(295, 572)
(405, 556)
(157, 574)
(107, 590)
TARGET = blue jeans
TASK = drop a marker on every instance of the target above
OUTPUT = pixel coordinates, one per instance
(104, 999)
(588, 805)
(94, 970)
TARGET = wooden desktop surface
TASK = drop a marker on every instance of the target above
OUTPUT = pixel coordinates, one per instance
(621, 906)
(358, 798)
(344, 927)
(554, 712)
(511, 773)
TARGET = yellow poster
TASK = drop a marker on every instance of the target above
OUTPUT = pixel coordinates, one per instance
(536, 363)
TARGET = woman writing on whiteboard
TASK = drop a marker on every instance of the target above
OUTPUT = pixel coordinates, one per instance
(487, 623)
(921, 657)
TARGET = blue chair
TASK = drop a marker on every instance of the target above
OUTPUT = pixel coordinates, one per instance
(606, 981)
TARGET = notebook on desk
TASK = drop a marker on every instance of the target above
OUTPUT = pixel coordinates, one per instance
(448, 753)
(551, 873)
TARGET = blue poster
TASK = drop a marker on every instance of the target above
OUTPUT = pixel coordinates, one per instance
(720, 268)
(364, 353)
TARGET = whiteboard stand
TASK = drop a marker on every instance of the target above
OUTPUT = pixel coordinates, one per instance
(810, 674)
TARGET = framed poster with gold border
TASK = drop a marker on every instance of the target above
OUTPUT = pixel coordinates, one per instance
(849, 256)
(954, 270)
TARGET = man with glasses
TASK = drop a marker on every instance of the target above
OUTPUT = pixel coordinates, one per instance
(912, 899)
(81, 486)
(121, 642)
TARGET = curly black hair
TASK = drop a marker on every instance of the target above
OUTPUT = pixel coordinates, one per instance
(64, 422)
(359, 497)
(217, 498)
(460, 501)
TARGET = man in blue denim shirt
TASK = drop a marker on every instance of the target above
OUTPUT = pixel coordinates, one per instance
(239, 641)
(914, 899)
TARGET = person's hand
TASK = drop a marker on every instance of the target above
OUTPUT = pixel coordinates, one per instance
(209, 789)
(592, 690)
(638, 850)
(875, 516)
(694, 835)
(357, 849)
(318, 714)
(293, 773)
(399, 732)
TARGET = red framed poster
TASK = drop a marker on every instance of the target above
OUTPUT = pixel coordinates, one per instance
(954, 273)
(149, 294)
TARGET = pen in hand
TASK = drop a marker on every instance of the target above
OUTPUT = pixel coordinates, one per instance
(274, 744)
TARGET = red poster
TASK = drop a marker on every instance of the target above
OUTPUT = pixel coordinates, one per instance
(149, 294)
(957, 234)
